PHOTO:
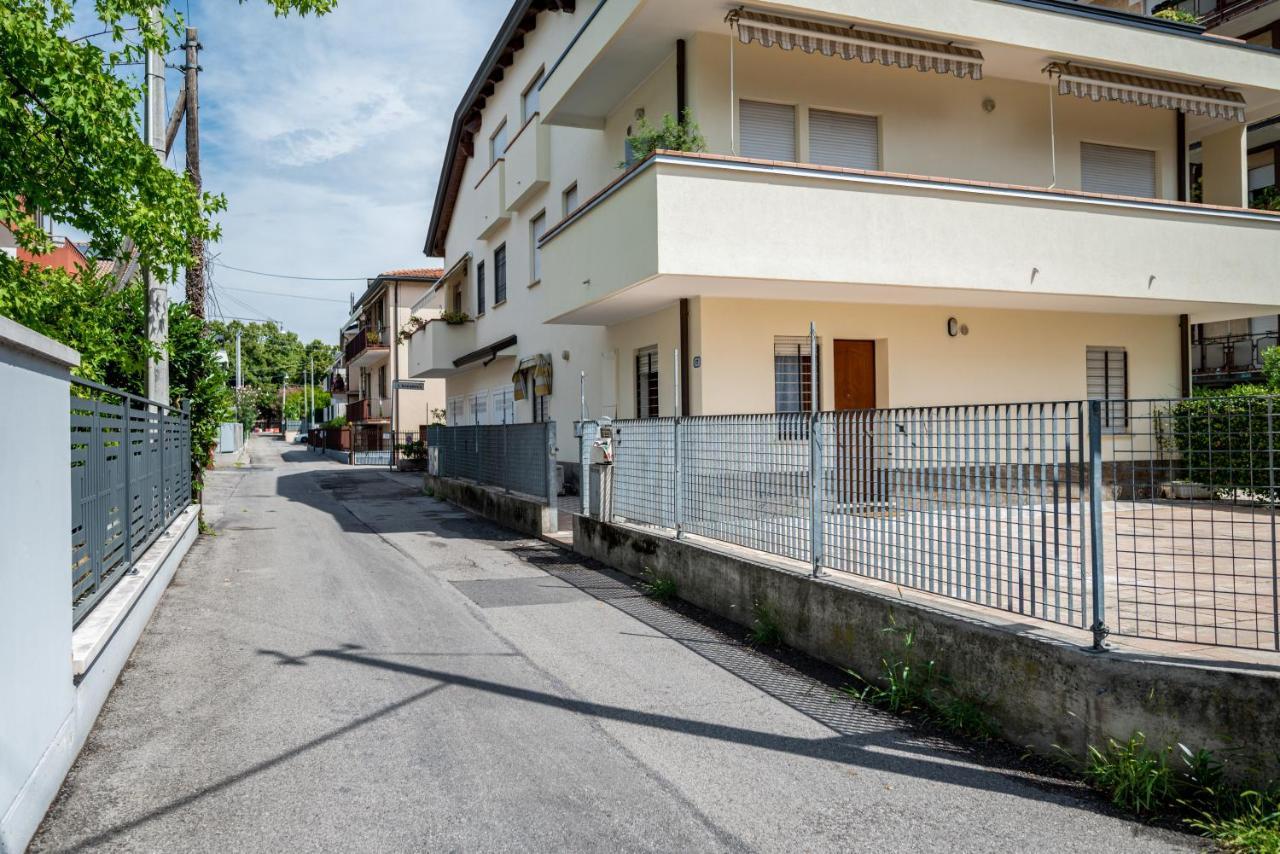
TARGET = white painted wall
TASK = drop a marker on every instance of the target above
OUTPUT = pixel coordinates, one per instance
(36, 691)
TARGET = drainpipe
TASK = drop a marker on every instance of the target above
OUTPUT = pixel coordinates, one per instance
(394, 331)
(682, 102)
(1182, 156)
(1184, 350)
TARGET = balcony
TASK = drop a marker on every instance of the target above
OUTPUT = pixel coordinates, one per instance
(708, 225)
(1228, 359)
(369, 347)
(433, 348)
(369, 409)
(528, 163)
(489, 200)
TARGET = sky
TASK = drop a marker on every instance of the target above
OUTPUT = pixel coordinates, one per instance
(326, 135)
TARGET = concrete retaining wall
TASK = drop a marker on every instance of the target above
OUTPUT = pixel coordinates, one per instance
(517, 512)
(1045, 695)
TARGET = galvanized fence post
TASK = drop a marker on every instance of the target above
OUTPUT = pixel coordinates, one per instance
(1273, 498)
(815, 458)
(126, 446)
(677, 488)
(553, 497)
(1099, 627)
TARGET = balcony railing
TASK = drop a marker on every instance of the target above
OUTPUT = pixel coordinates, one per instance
(375, 337)
(1227, 356)
(369, 409)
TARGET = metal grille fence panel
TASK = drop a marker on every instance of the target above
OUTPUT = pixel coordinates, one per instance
(510, 456)
(1190, 490)
(644, 471)
(977, 503)
(130, 478)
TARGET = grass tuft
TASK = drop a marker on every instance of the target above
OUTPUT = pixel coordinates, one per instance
(765, 630)
(660, 588)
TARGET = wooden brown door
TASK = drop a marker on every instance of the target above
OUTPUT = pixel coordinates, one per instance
(855, 365)
(855, 380)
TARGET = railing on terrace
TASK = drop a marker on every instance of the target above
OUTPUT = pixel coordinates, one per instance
(130, 478)
(364, 339)
(1225, 355)
(1152, 518)
(515, 457)
(369, 409)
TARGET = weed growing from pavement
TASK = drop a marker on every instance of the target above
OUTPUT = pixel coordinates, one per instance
(660, 588)
(765, 630)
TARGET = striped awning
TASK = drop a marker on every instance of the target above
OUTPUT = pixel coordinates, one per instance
(851, 42)
(1195, 98)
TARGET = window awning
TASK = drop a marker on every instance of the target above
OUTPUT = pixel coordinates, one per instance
(457, 271)
(853, 43)
(1099, 85)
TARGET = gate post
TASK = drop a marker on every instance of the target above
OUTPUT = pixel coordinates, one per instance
(677, 488)
(1099, 627)
(553, 497)
(815, 458)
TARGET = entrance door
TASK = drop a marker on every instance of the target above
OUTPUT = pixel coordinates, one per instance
(855, 374)
(855, 381)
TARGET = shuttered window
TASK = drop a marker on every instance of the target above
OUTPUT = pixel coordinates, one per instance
(500, 275)
(768, 130)
(792, 374)
(1107, 378)
(455, 411)
(498, 144)
(478, 407)
(504, 405)
(480, 289)
(647, 383)
(841, 139)
(537, 228)
(1118, 171)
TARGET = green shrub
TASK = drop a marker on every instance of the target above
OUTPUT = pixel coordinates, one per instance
(765, 630)
(1225, 439)
(669, 135)
(335, 423)
(660, 588)
(1179, 16)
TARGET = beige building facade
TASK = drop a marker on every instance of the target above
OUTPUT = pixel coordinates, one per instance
(992, 229)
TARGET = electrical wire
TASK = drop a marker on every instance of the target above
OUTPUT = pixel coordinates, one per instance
(285, 295)
(298, 278)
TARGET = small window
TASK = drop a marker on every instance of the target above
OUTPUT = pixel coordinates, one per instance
(1117, 171)
(793, 374)
(529, 99)
(478, 406)
(382, 381)
(537, 228)
(541, 408)
(500, 275)
(570, 199)
(1107, 377)
(454, 413)
(503, 404)
(480, 289)
(647, 382)
(457, 298)
(841, 139)
(768, 130)
(498, 143)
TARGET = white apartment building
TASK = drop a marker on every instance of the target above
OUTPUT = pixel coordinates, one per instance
(973, 200)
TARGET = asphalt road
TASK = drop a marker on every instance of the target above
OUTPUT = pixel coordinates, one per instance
(349, 665)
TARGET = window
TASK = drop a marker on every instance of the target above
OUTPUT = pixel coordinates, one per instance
(382, 381)
(541, 408)
(503, 404)
(500, 275)
(537, 228)
(454, 411)
(498, 143)
(529, 99)
(570, 199)
(479, 289)
(457, 298)
(478, 407)
(1107, 378)
(1117, 171)
(647, 383)
(793, 374)
(841, 139)
(768, 130)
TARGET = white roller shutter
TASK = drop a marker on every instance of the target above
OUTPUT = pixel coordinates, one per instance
(1117, 171)
(768, 130)
(840, 139)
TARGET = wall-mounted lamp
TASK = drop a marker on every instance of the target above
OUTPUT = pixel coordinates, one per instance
(955, 327)
(989, 105)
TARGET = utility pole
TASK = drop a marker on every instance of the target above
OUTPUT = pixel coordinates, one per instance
(191, 98)
(239, 378)
(153, 120)
(312, 413)
(284, 387)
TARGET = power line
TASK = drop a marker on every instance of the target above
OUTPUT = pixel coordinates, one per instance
(299, 278)
(281, 294)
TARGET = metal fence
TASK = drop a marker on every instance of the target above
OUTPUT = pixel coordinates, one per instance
(1152, 519)
(130, 478)
(516, 457)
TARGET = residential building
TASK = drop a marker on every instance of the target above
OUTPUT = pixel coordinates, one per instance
(1230, 351)
(1013, 225)
(381, 398)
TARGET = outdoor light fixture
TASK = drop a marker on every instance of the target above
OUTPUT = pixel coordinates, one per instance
(955, 327)
(989, 105)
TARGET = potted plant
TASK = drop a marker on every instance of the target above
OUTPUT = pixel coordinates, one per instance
(413, 456)
(455, 318)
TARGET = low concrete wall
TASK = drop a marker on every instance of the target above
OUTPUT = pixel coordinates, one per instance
(518, 512)
(1045, 695)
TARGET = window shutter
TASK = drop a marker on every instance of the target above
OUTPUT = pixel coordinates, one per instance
(840, 139)
(768, 130)
(1117, 171)
(1107, 378)
(647, 383)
